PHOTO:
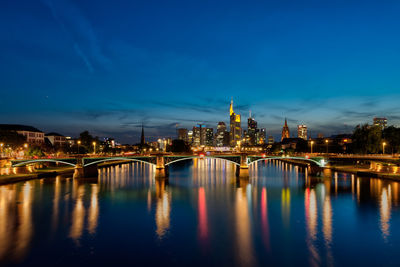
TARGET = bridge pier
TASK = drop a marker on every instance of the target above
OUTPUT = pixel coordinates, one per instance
(314, 170)
(86, 172)
(242, 171)
(161, 169)
(82, 171)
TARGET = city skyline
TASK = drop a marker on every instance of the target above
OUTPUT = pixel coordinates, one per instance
(74, 68)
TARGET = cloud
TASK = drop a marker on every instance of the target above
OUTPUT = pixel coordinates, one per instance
(78, 28)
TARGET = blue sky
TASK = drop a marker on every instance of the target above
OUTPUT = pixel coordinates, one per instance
(109, 66)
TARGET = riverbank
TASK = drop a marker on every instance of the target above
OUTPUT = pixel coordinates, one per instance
(358, 171)
(38, 174)
(50, 172)
(364, 172)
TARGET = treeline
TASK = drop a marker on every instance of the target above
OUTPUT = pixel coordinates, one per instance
(369, 139)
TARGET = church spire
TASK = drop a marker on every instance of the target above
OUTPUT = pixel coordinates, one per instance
(142, 140)
(231, 108)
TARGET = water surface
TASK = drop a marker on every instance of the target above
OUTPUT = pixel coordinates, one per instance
(202, 215)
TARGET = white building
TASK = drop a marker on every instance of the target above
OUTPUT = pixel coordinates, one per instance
(31, 134)
(56, 139)
(302, 131)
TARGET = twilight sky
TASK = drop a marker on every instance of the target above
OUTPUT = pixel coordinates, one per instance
(109, 66)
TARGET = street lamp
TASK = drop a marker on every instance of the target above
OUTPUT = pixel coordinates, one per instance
(312, 142)
(326, 142)
(79, 143)
(383, 147)
(26, 145)
(94, 147)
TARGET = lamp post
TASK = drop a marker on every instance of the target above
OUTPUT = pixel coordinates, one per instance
(383, 147)
(94, 148)
(79, 143)
(326, 142)
(26, 148)
(312, 142)
(1, 147)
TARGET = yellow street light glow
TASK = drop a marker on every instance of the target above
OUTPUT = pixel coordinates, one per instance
(26, 145)
(326, 141)
(79, 142)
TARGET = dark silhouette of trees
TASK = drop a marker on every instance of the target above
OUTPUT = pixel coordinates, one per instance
(87, 142)
(367, 139)
(391, 136)
(12, 139)
(179, 146)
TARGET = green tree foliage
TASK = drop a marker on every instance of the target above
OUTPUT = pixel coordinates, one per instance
(12, 139)
(367, 139)
(179, 146)
(87, 141)
(302, 146)
(35, 152)
(391, 135)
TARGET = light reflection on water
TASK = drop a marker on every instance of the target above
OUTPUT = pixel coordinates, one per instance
(201, 211)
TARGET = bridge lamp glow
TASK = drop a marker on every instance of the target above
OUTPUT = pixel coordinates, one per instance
(312, 143)
(26, 145)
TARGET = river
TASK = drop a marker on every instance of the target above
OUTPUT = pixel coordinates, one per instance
(202, 215)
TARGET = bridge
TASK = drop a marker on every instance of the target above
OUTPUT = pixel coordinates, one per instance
(88, 166)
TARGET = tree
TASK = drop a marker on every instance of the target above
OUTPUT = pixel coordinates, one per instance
(367, 139)
(87, 141)
(179, 146)
(391, 136)
(12, 139)
(35, 151)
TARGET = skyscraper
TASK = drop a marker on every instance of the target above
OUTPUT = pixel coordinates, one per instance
(220, 134)
(199, 135)
(382, 122)
(261, 136)
(235, 126)
(209, 141)
(196, 135)
(302, 131)
(142, 140)
(285, 131)
(251, 130)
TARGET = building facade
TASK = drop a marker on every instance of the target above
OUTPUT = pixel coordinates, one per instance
(209, 140)
(57, 140)
(302, 131)
(251, 130)
(285, 131)
(235, 126)
(31, 134)
(381, 122)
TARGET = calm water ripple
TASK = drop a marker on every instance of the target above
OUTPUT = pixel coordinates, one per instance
(201, 215)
